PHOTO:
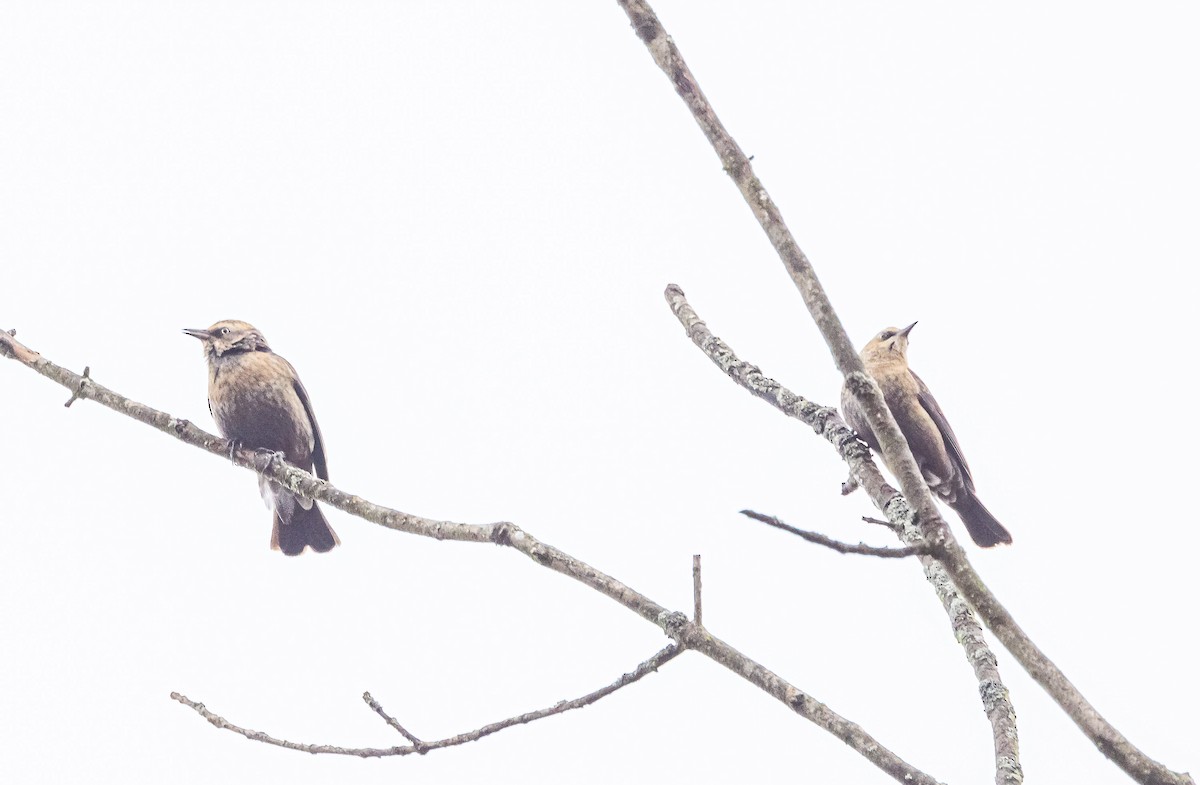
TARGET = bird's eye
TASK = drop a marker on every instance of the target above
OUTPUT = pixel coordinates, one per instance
(224, 331)
(883, 336)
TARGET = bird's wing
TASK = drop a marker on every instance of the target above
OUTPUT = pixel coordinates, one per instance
(318, 452)
(930, 405)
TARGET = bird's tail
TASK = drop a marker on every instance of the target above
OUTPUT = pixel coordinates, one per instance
(306, 528)
(983, 527)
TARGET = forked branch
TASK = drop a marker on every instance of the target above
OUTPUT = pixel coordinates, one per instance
(862, 549)
(826, 422)
(415, 745)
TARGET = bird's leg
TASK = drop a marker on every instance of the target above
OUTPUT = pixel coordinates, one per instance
(234, 446)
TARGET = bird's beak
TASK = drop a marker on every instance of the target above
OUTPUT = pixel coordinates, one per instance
(903, 333)
(203, 335)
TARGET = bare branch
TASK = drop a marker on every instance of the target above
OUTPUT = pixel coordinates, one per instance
(651, 665)
(698, 610)
(841, 547)
(895, 450)
(421, 747)
(317, 749)
(675, 624)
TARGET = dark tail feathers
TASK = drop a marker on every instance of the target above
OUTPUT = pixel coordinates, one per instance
(983, 527)
(307, 528)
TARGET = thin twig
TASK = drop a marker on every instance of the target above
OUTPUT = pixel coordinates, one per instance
(421, 747)
(674, 623)
(697, 608)
(862, 549)
(75, 396)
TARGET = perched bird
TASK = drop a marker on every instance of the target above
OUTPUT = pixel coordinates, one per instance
(258, 401)
(927, 431)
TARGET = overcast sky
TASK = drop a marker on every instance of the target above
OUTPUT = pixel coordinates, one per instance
(456, 220)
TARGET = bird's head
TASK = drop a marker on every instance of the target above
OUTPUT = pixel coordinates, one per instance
(230, 336)
(888, 345)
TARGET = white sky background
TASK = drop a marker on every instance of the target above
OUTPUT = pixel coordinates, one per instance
(457, 221)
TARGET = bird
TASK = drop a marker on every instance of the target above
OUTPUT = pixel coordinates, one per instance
(258, 401)
(925, 427)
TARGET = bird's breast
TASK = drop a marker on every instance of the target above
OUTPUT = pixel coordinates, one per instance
(254, 401)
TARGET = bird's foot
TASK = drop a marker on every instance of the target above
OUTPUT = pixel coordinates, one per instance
(268, 458)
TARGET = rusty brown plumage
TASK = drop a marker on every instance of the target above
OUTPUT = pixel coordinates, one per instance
(258, 401)
(927, 431)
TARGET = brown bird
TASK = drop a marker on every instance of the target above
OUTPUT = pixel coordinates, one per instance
(927, 431)
(258, 401)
